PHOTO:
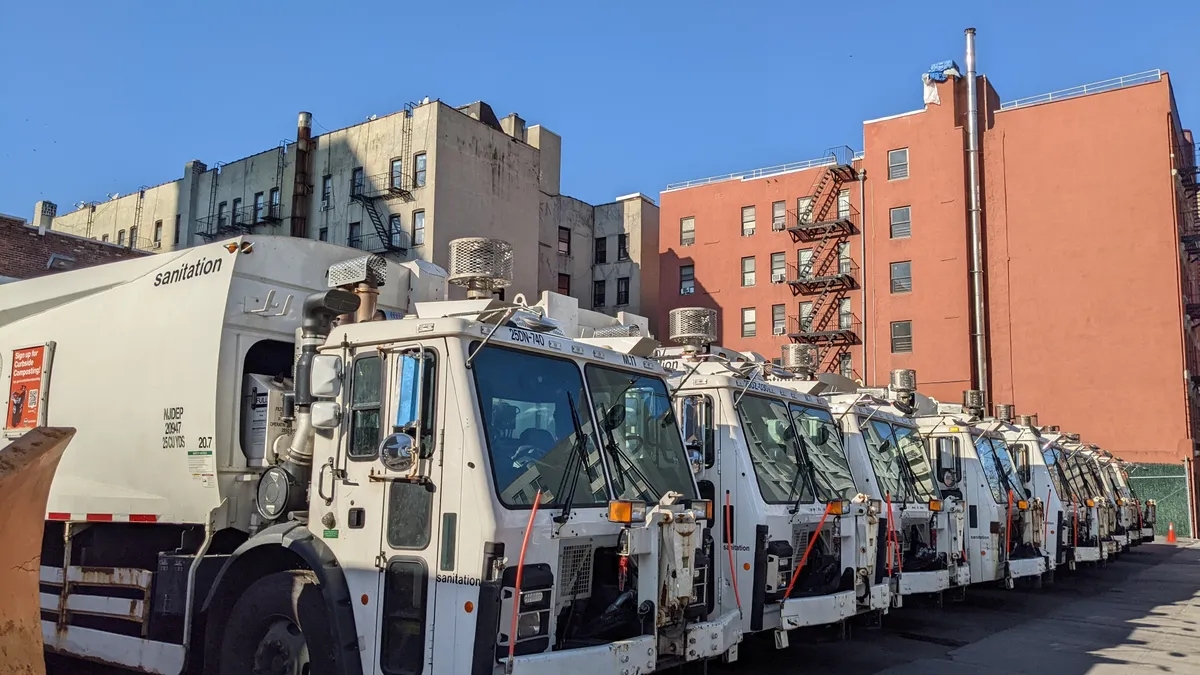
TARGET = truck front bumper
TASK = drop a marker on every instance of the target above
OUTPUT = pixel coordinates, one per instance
(818, 610)
(709, 639)
(1026, 567)
(1087, 554)
(1147, 535)
(635, 656)
(914, 583)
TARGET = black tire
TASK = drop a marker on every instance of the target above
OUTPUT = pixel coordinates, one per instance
(293, 597)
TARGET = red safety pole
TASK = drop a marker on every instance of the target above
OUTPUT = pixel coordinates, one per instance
(1008, 530)
(512, 638)
(729, 545)
(811, 540)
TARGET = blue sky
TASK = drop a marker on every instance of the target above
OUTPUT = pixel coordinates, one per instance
(100, 97)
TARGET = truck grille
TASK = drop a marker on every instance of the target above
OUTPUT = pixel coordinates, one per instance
(575, 572)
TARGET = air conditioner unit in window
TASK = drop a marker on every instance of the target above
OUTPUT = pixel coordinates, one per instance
(777, 226)
(324, 204)
(778, 330)
(778, 278)
(687, 290)
(157, 244)
(746, 232)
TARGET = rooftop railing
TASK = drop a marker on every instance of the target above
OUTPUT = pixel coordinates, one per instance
(1086, 89)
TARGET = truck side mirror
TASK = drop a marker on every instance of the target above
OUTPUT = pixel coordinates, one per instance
(947, 459)
(326, 414)
(397, 452)
(327, 374)
(614, 417)
(696, 420)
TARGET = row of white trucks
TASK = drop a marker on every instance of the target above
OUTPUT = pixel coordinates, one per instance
(266, 478)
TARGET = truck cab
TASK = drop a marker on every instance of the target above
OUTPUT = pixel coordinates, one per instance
(1074, 542)
(1042, 482)
(1128, 532)
(924, 527)
(1004, 524)
(1095, 495)
(798, 541)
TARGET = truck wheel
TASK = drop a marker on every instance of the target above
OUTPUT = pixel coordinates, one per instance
(278, 627)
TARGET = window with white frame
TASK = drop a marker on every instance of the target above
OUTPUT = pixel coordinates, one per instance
(778, 215)
(846, 365)
(901, 222)
(749, 321)
(747, 221)
(898, 164)
(778, 319)
(902, 277)
(778, 267)
(687, 231)
(902, 341)
(748, 271)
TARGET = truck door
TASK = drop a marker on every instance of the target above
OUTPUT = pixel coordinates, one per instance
(406, 479)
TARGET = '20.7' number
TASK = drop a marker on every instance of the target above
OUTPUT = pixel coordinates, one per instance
(205, 442)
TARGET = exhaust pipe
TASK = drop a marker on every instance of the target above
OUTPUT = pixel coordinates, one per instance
(979, 318)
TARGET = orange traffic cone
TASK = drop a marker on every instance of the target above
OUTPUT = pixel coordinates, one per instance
(1171, 533)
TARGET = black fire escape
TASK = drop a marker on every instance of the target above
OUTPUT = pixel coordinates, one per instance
(374, 192)
(825, 277)
(1188, 177)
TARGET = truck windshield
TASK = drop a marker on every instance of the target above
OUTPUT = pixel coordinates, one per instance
(998, 469)
(898, 458)
(825, 452)
(1103, 489)
(783, 478)
(1114, 478)
(645, 448)
(1057, 476)
(526, 400)
(1083, 466)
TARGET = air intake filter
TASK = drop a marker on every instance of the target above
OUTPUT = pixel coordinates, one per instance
(797, 358)
(973, 399)
(694, 326)
(481, 265)
(620, 330)
(1027, 421)
(904, 379)
(1004, 411)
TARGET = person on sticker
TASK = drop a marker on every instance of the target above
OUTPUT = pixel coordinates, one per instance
(379, 316)
(18, 406)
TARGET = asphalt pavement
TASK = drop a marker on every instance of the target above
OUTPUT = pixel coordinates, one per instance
(1138, 614)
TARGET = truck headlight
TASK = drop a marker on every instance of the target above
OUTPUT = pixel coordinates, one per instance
(529, 624)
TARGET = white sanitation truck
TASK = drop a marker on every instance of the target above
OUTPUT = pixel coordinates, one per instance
(1097, 497)
(926, 528)
(478, 487)
(1088, 521)
(1028, 453)
(800, 545)
(1004, 523)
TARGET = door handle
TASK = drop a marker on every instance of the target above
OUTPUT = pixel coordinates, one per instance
(321, 483)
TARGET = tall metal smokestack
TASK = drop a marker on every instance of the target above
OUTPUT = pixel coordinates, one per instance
(302, 185)
(979, 316)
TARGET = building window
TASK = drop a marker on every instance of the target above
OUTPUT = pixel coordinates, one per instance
(748, 271)
(902, 277)
(622, 247)
(158, 233)
(419, 172)
(777, 319)
(845, 316)
(395, 227)
(133, 236)
(601, 253)
(564, 240)
(418, 233)
(898, 164)
(804, 263)
(260, 202)
(323, 234)
(104, 237)
(778, 267)
(687, 231)
(843, 204)
(178, 222)
(120, 237)
(804, 208)
(901, 219)
(846, 365)
(564, 284)
(598, 293)
(354, 235)
(358, 181)
(901, 337)
(748, 322)
(687, 279)
(806, 317)
(778, 215)
(221, 214)
(396, 177)
(747, 221)
(274, 203)
(622, 291)
(844, 263)
(326, 192)
(236, 213)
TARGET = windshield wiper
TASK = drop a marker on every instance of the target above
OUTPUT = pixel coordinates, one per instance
(577, 455)
(802, 460)
(617, 455)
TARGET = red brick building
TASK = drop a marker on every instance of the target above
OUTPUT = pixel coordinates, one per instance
(1090, 233)
(26, 251)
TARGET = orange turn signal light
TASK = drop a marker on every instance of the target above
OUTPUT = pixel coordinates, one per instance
(1091, 502)
(626, 512)
(839, 507)
(935, 505)
(1022, 504)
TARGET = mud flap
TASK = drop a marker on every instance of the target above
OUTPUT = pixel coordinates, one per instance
(27, 469)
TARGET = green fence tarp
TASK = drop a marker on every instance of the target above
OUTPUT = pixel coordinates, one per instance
(1167, 485)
